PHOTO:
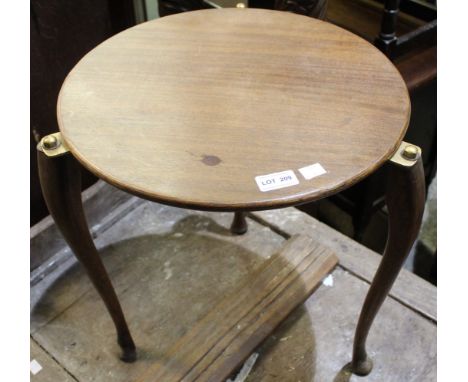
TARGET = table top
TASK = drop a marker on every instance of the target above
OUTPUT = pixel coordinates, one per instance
(231, 109)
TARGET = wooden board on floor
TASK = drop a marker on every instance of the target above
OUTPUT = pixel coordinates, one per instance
(315, 342)
(170, 266)
(408, 289)
(226, 336)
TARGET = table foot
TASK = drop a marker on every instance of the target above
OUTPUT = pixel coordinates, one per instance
(239, 223)
(362, 366)
(405, 202)
(60, 179)
(129, 353)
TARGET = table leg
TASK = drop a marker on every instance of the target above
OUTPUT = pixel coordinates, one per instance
(60, 180)
(405, 202)
(364, 207)
(239, 223)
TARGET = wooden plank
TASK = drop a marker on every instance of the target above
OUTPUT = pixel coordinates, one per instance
(409, 289)
(48, 369)
(225, 337)
(316, 341)
(153, 220)
(169, 266)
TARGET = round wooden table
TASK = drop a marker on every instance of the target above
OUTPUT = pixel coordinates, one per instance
(233, 110)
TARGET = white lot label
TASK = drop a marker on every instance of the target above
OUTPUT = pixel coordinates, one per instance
(276, 180)
(312, 171)
(35, 367)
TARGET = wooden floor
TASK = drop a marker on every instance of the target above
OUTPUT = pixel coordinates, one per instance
(170, 266)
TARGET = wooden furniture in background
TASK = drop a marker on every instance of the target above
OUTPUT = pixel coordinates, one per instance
(406, 32)
(168, 122)
(171, 7)
(423, 37)
(312, 8)
(61, 33)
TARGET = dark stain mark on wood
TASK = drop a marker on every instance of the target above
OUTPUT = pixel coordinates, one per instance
(211, 160)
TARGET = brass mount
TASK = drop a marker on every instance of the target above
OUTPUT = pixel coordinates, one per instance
(406, 155)
(53, 145)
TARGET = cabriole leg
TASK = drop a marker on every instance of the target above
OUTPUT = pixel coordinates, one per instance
(60, 179)
(405, 202)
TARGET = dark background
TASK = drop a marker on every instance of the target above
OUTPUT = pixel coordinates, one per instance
(62, 32)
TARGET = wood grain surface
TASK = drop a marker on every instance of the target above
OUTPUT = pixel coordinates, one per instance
(226, 336)
(189, 109)
(354, 257)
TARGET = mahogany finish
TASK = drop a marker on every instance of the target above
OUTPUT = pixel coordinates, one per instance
(60, 179)
(188, 109)
(405, 199)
